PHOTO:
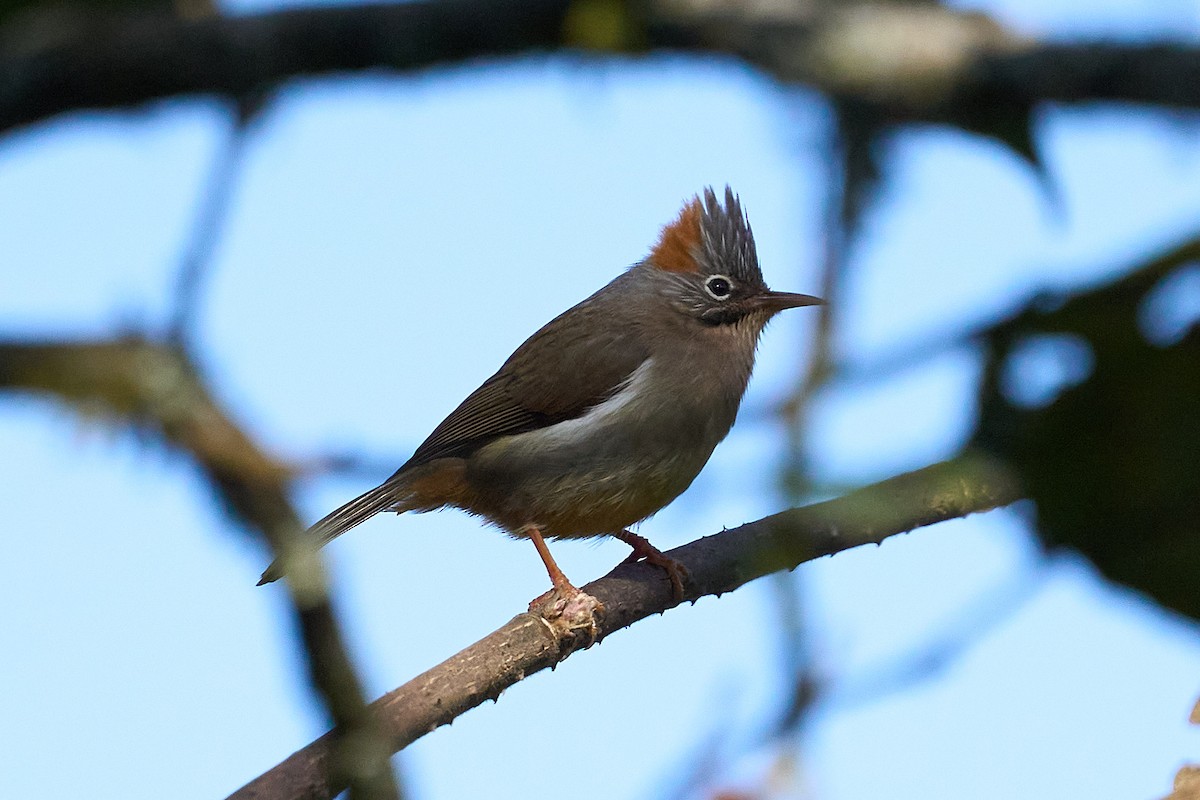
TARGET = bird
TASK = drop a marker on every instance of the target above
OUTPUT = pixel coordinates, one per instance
(608, 412)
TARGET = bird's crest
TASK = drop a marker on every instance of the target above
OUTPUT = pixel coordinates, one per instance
(679, 243)
(709, 237)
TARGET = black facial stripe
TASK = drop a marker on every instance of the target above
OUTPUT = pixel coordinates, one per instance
(722, 315)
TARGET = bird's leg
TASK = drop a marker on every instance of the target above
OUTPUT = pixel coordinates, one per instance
(643, 549)
(565, 608)
(557, 577)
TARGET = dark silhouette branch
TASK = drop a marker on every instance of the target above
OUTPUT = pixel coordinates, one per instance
(716, 564)
(148, 56)
(913, 62)
(160, 389)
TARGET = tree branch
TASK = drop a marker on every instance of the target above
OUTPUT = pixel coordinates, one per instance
(211, 216)
(913, 62)
(145, 56)
(160, 388)
(716, 564)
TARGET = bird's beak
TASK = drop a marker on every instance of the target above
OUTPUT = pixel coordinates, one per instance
(779, 301)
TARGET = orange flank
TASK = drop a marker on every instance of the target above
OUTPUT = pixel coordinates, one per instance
(437, 484)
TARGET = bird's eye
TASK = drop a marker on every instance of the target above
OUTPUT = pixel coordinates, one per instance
(718, 286)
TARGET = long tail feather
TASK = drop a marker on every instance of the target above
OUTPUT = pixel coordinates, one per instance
(389, 494)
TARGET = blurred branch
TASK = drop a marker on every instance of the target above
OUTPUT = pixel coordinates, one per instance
(1187, 779)
(1187, 784)
(847, 147)
(853, 173)
(151, 56)
(159, 388)
(716, 564)
(348, 464)
(913, 61)
(147, 384)
(1137, 276)
(211, 215)
(971, 625)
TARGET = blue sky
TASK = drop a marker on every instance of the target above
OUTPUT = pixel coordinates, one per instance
(391, 241)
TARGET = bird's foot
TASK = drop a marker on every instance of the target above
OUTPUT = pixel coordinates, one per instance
(643, 550)
(569, 612)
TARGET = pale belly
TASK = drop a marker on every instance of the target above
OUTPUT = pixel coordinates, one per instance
(602, 481)
(622, 461)
(585, 498)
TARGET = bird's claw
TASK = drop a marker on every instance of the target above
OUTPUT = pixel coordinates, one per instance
(644, 551)
(569, 613)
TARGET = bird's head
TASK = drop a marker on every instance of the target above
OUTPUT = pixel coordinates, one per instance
(709, 266)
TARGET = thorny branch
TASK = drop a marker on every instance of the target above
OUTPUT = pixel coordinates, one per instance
(716, 564)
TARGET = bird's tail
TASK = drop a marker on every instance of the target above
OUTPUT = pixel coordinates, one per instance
(391, 494)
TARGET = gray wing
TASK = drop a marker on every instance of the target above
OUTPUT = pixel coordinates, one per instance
(575, 362)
